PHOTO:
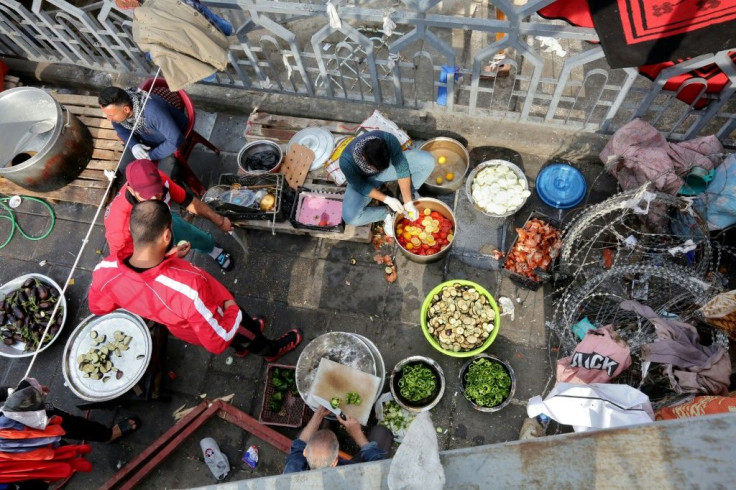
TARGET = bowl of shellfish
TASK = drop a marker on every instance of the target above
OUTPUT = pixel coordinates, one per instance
(460, 318)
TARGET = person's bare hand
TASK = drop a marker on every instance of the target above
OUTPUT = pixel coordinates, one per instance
(350, 423)
(181, 251)
(227, 304)
(321, 412)
(227, 225)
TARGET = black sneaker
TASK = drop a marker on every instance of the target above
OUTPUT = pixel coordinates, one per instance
(285, 344)
(225, 261)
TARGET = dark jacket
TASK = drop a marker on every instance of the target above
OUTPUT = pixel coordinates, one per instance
(360, 181)
(165, 126)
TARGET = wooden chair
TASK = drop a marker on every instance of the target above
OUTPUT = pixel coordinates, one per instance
(181, 101)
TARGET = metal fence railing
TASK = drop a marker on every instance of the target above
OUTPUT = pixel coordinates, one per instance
(436, 58)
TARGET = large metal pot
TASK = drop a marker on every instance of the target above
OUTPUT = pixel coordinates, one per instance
(41, 148)
(256, 147)
(433, 205)
(455, 160)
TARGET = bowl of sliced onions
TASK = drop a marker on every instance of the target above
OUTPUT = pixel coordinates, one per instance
(497, 188)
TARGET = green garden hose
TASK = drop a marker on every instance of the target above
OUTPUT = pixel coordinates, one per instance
(14, 224)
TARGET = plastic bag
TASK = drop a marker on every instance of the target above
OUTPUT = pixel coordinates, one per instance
(262, 161)
(416, 464)
(721, 312)
(720, 196)
(399, 433)
(378, 121)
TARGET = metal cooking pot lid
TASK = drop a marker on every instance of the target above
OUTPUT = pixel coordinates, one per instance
(341, 347)
(129, 363)
(319, 140)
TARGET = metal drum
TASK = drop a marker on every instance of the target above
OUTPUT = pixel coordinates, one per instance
(43, 146)
(132, 362)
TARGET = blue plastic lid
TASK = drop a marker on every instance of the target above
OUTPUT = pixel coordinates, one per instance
(561, 186)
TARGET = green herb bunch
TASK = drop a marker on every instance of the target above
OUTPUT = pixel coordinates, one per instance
(487, 383)
(417, 382)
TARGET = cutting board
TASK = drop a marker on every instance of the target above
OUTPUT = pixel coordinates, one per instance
(336, 380)
(296, 165)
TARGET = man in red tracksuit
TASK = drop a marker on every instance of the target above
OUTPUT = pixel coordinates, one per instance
(156, 284)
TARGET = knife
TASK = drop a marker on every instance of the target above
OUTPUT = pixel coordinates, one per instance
(328, 406)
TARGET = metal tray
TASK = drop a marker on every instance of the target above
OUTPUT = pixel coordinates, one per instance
(133, 369)
(342, 347)
(17, 349)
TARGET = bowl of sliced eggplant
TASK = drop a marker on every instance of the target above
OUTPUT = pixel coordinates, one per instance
(106, 355)
(26, 304)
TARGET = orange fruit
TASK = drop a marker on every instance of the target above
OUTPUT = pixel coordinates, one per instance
(440, 180)
(449, 176)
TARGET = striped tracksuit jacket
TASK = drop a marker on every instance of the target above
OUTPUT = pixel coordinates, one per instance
(184, 298)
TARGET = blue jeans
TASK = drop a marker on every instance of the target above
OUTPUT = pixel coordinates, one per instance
(184, 230)
(355, 210)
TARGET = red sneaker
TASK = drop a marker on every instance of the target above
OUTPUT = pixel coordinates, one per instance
(285, 344)
(262, 326)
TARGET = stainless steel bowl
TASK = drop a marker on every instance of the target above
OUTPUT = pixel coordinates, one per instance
(16, 350)
(421, 406)
(432, 205)
(490, 163)
(255, 147)
(458, 161)
(509, 370)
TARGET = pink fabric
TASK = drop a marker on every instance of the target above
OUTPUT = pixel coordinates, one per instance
(639, 154)
(600, 357)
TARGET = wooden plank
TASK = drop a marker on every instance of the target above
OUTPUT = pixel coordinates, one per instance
(96, 123)
(103, 133)
(104, 154)
(92, 174)
(360, 234)
(101, 164)
(298, 123)
(84, 111)
(67, 193)
(74, 99)
(115, 145)
(89, 184)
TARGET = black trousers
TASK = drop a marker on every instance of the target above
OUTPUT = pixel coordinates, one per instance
(250, 338)
(81, 429)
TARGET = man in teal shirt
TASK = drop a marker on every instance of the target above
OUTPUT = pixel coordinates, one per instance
(372, 159)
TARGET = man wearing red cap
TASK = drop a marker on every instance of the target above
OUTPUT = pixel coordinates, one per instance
(146, 182)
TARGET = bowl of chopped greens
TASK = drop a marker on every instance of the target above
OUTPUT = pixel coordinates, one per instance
(417, 383)
(487, 382)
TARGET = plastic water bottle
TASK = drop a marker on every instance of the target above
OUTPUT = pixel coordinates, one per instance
(216, 461)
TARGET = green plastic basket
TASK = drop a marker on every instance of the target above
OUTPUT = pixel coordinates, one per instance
(435, 343)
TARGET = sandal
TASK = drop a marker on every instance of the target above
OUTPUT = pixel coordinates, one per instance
(126, 427)
(225, 261)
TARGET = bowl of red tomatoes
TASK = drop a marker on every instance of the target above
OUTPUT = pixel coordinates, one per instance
(427, 238)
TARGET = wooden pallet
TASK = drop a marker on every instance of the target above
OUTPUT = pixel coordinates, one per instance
(280, 129)
(89, 187)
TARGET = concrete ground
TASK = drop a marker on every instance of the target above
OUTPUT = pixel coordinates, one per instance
(292, 281)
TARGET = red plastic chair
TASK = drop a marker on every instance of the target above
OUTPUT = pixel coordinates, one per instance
(181, 101)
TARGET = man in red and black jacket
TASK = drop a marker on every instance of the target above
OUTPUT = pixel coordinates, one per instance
(146, 181)
(155, 283)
